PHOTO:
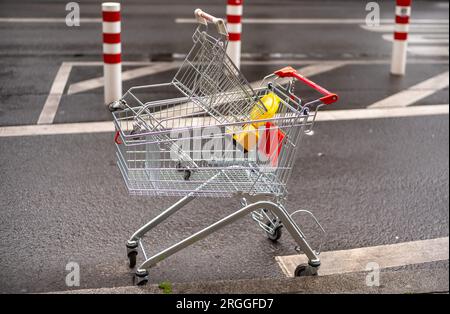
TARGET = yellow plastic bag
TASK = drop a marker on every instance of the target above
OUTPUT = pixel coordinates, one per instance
(271, 102)
(247, 137)
(266, 108)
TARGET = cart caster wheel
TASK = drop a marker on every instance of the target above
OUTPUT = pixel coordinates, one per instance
(117, 105)
(276, 235)
(187, 174)
(132, 258)
(303, 270)
(140, 279)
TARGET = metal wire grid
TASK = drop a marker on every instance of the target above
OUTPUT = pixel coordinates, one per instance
(209, 77)
(149, 167)
(158, 118)
(216, 94)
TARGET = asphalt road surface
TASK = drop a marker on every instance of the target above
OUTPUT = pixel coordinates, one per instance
(368, 181)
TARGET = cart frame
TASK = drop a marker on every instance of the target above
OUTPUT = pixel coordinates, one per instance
(266, 208)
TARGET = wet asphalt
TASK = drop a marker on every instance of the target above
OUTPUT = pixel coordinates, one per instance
(62, 199)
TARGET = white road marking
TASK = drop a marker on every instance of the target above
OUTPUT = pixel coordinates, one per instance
(246, 20)
(53, 99)
(281, 61)
(386, 256)
(415, 93)
(45, 20)
(56, 129)
(100, 63)
(331, 115)
(315, 21)
(389, 28)
(90, 84)
(287, 61)
(51, 104)
(310, 70)
(422, 39)
(380, 113)
(429, 51)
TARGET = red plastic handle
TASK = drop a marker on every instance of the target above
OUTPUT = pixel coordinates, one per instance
(328, 98)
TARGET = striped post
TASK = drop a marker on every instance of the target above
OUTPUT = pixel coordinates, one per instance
(112, 66)
(400, 44)
(234, 13)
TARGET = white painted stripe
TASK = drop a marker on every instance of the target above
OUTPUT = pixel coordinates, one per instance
(90, 84)
(386, 256)
(402, 11)
(45, 20)
(100, 63)
(234, 9)
(112, 48)
(415, 93)
(316, 21)
(381, 113)
(59, 128)
(234, 27)
(282, 61)
(429, 51)
(422, 39)
(331, 115)
(413, 28)
(111, 27)
(401, 28)
(308, 71)
(51, 104)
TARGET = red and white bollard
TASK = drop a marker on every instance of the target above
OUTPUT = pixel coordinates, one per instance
(112, 66)
(234, 26)
(400, 44)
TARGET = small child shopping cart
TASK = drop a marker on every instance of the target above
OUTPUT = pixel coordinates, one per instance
(219, 137)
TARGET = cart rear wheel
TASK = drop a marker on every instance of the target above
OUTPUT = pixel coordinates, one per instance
(276, 235)
(140, 279)
(132, 258)
(303, 270)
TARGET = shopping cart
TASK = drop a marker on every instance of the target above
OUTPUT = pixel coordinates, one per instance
(219, 137)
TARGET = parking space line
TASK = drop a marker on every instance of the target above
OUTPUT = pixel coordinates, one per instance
(52, 102)
(413, 28)
(281, 61)
(415, 93)
(57, 129)
(429, 51)
(386, 256)
(90, 84)
(380, 113)
(315, 21)
(329, 115)
(425, 39)
(44, 20)
(310, 70)
(422, 38)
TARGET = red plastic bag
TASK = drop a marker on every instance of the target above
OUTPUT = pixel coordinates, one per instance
(270, 142)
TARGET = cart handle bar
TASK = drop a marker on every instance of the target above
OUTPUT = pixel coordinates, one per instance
(328, 98)
(204, 18)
